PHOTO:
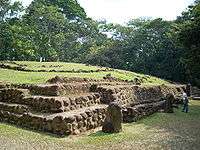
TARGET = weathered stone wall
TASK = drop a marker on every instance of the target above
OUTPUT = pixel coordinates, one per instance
(49, 104)
(138, 101)
(134, 113)
(71, 108)
(12, 95)
(133, 95)
(59, 89)
(61, 125)
(14, 108)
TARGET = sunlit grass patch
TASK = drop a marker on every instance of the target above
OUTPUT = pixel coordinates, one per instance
(159, 131)
(14, 76)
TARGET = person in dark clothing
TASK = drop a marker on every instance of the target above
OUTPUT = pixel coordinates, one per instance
(185, 103)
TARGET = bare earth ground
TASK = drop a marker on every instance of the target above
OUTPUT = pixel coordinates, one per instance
(159, 131)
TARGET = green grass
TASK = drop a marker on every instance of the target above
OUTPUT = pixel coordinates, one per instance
(13, 76)
(160, 131)
(33, 65)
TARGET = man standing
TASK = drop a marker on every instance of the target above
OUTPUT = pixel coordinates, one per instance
(185, 102)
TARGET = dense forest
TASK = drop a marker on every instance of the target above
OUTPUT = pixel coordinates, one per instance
(60, 30)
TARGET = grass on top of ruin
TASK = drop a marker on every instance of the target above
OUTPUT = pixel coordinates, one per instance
(19, 77)
(34, 65)
(159, 131)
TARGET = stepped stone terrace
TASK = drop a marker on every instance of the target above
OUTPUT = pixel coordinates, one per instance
(65, 106)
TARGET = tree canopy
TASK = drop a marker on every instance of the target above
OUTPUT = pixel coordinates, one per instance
(59, 30)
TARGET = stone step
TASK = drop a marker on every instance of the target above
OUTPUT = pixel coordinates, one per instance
(59, 89)
(64, 123)
(68, 88)
(56, 103)
(12, 94)
(67, 114)
(62, 103)
(136, 112)
(14, 108)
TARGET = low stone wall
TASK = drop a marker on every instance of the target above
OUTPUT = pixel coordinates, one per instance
(44, 104)
(60, 89)
(49, 104)
(133, 95)
(134, 113)
(19, 86)
(12, 95)
(61, 104)
(74, 124)
(14, 108)
(50, 90)
(104, 81)
(82, 101)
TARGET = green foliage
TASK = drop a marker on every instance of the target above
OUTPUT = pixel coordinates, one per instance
(59, 30)
(6, 41)
(9, 14)
(189, 37)
(167, 49)
(143, 45)
(8, 10)
(71, 8)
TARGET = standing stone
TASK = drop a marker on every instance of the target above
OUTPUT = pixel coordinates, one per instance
(113, 121)
(169, 103)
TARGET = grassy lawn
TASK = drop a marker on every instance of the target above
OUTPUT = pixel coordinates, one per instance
(33, 65)
(159, 131)
(13, 76)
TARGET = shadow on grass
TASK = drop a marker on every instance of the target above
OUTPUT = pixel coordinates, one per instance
(178, 124)
(102, 134)
(99, 134)
(42, 133)
(177, 116)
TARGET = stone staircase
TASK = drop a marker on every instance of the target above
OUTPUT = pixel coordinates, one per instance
(49, 108)
(74, 107)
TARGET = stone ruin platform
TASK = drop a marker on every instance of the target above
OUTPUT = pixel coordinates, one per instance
(66, 106)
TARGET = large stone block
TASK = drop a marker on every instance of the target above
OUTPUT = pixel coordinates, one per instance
(168, 107)
(113, 121)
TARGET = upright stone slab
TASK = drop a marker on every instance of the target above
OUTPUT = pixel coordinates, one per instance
(113, 121)
(169, 103)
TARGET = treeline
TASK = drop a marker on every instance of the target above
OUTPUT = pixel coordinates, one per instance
(60, 30)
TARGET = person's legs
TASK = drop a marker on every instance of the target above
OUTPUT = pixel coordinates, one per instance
(186, 108)
(183, 110)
